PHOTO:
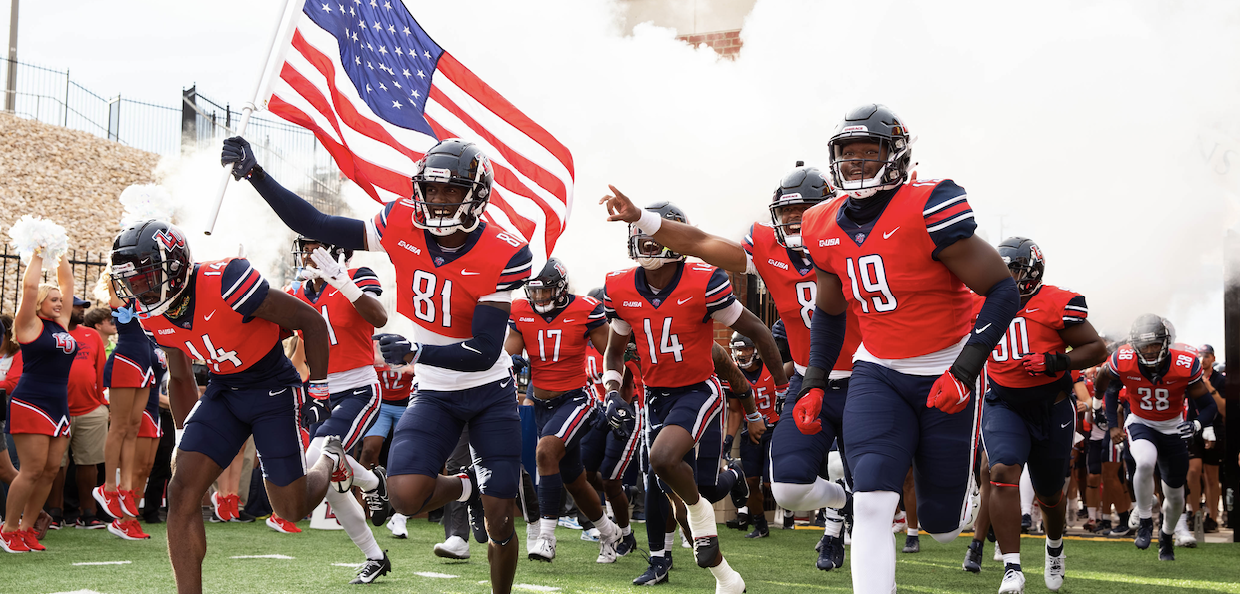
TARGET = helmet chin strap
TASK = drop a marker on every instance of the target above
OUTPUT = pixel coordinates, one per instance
(652, 263)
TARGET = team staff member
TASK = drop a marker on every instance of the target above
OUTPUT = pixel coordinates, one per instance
(38, 408)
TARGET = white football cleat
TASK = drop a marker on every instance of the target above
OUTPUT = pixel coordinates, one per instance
(607, 546)
(1013, 582)
(533, 532)
(1054, 571)
(544, 550)
(998, 553)
(397, 525)
(454, 547)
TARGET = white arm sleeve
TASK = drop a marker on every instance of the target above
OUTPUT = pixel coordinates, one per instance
(500, 297)
(730, 314)
(749, 267)
(621, 327)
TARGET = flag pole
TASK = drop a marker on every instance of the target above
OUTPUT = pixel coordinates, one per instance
(279, 41)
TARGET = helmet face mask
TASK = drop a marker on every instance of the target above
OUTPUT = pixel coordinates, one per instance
(885, 167)
(800, 189)
(648, 252)
(1025, 262)
(304, 246)
(151, 264)
(449, 169)
(1151, 340)
(548, 291)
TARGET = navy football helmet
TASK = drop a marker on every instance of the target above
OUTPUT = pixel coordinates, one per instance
(548, 291)
(648, 252)
(875, 123)
(1024, 258)
(456, 163)
(802, 186)
(151, 264)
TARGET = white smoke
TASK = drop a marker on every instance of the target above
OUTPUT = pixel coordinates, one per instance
(1106, 131)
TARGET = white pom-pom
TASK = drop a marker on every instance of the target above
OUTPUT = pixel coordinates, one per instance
(146, 201)
(30, 234)
(102, 296)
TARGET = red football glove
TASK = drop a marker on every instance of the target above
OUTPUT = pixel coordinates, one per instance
(948, 394)
(1046, 363)
(807, 410)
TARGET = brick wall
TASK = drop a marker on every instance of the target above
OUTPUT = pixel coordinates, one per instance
(725, 43)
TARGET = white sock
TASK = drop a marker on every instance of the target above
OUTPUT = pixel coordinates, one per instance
(351, 516)
(1146, 455)
(658, 553)
(873, 563)
(1173, 507)
(913, 531)
(363, 477)
(669, 540)
(547, 527)
(467, 490)
(723, 571)
(627, 530)
(1054, 543)
(606, 526)
(702, 518)
(1012, 558)
(1093, 514)
(834, 523)
(743, 509)
(1026, 492)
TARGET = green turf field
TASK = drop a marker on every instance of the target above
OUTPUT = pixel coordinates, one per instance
(782, 563)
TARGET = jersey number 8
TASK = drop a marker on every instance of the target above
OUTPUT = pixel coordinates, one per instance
(424, 295)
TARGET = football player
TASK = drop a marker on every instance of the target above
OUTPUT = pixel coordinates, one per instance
(670, 306)
(755, 451)
(1029, 415)
(776, 253)
(455, 274)
(224, 313)
(1158, 379)
(554, 326)
(348, 300)
(901, 254)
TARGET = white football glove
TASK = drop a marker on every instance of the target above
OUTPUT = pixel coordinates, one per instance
(335, 273)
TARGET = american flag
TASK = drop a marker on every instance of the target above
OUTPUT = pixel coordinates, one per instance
(378, 92)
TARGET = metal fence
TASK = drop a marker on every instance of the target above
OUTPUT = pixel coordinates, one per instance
(86, 267)
(292, 154)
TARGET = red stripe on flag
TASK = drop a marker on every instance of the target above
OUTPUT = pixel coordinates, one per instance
(484, 94)
(524, 226)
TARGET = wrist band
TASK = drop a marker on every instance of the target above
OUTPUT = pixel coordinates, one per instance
(351, 291)
(611, 375)
(650, 222)
(753, 417)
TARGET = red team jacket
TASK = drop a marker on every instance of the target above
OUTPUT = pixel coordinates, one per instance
(349, 334)
(557, 345)
(794, 293)
(907, 303)
(222, 331)
(1161, 401)
(1035, 329)
(674, 330)
(438, 291)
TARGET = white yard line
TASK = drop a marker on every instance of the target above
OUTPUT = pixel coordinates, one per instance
(431, 574)
(260, 557)
(535, 588)
(103, 563)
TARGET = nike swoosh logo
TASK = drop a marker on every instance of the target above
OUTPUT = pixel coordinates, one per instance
(569, 320)
(683, 301)
(1065, 425)
(280, 391)
(332, 293)
(504, 384)
(358, 392)
(1032, 310)
(207, 318)
(890, 233)
(982, 329)
(469, 348)
(468, 273)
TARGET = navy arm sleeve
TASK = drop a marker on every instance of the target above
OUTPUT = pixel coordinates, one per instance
(1206, 409)
(1001, 304)
(304, 218)
(826, 338)
(1112, 399)
(479, 352)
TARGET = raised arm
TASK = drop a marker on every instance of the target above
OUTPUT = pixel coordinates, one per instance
(26, 324)
(676, 236)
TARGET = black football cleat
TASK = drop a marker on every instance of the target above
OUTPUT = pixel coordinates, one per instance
(377, 499)
(1145, 533)
(1166, 546)
(973, 557)
(656, 573)
(372, 569)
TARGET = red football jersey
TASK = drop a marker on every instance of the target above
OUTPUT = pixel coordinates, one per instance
(764, 393)
(594, 372)
(556, 343)
(349, 334)
(438, 290)
(673, 329)
(393, 385)
(220, 331)
(907, 302)
(1162, 401)
(1035, 329)
(794, 290)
